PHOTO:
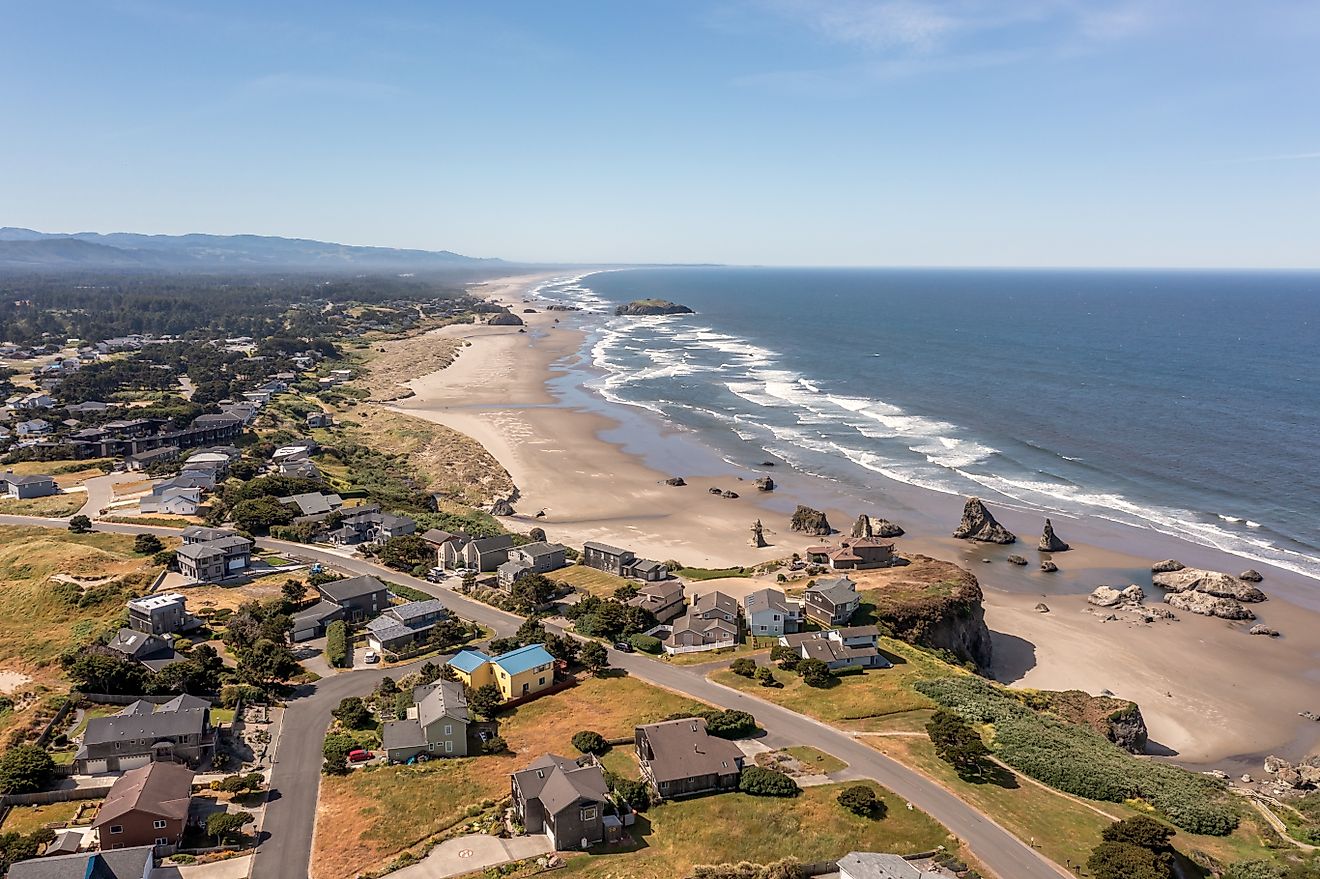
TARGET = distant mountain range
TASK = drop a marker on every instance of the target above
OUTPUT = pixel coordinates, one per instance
(26, 249)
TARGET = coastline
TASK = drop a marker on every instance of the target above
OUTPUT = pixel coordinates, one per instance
(1209, 692)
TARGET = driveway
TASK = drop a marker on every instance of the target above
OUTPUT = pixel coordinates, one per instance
(466, 854)
(101, 491)
(230, 868)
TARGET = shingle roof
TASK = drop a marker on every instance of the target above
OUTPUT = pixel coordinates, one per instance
(766, 599)
(124, 863)
(355, 587)
(139, 721)
(715, 601)
(162, 789)
(873, 865)
(442, 699)
(604, 547)
(683, 749)
(540, 549)
(402, 734)
(837, 591)
(315, 614)
(559, 782)
(416, 609)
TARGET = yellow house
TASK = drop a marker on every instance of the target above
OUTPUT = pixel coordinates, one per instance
(517, 673)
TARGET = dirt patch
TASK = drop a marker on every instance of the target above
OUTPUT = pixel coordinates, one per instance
(13, 681)
(390, 364)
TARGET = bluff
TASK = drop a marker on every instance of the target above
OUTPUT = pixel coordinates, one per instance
(1118, 720)
(652, 306)
(931, 603)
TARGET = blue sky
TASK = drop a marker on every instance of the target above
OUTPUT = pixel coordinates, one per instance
(852, 132)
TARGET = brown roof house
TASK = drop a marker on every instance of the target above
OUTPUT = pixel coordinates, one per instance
(679, 758)
(564, 799)
(831, 602)
(662, 599)
(712, 622)
(177, 731)
(146, 806)
(857, 554)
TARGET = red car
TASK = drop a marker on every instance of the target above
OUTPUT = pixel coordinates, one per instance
(358, 755)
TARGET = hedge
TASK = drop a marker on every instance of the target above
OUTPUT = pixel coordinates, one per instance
(1082, 762)
(336, 644)
(646, 644)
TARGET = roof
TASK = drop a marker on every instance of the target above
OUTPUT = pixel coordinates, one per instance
(691, 622)
(313, 503)
(604, 547)
(660, 592)
(142, 720)
(436, 536)
(647, 565)
(683, 749)
(346, 590)
(441, 699)
(872, 865)
(398, 734)
(837, 591)
(158, 600)
(387, 629)
(209, 548)
(316, 613)
(468, 660)
(137, 645)
(828, 650)
(491, 544)
(859, 632)
(524, 659)
(206, 534)
(162, 789)
(414, 610)
(559, 782)
(33, 479)
(540, 549)
(124, 863)
(715, 601)
(766, 599)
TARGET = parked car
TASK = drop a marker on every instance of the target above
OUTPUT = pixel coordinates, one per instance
(359, 755)
(371, 656)
(435, 575)
(623, 647)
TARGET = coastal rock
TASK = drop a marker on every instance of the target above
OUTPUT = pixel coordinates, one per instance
(977, 524)
(1118, 720)
(1166, 566)
(1209, 582)
(676, 481)
(767, 463)
(765, 483)
(1134, 594)
(529, 311)
(1251, 575)
(730, 494)
(1049, 567)
(502, 508)
(1105, 596)
(1042, 607)
(536, 534)
(540, 514)
(1016, 560)
(934, 603)
(1049, 541)
(1208, 605)
(810, 521)
(715, 489)
(868, 526)
(505, 319)
(1259, 629)
(651, 306)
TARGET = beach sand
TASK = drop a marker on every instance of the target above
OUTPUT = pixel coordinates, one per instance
(1210, 692)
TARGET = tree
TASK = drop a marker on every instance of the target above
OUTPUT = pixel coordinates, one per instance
(80, 524)
(260, 514)
(293, 592)
(494, 745)
(761, 782)
(595, 658)
(25, 769)
(860, 799)
(406, 552)
(562, 647)
(469, 582)
(787, 657)
(531, 591)
(729, 724)
(532, 631)
(353, 713)
(336, 644)
(625, 592)
(744, 666)
(1121, 860)
(226, 825)
(198, 674)
(1140, 831)
(96, 673)
(387, 686)
(955, 742)
(635, 793)
(267, 663)
(335, 751)
(147, 544)
(815, 673)
(485, 700)
(590, 742)
(766, 678)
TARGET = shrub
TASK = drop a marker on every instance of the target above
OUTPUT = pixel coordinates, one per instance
(336, 644)
(766, 678)
(760, 782)
(861, 800)
(636, 793)
(231, 693)
(815, 673)
(590, 742)
(646, 644)
(147, 544)
(494, 745)
(744, 666)
(728, 724)
(335, 751)
(353, 713)
(80, 524)
(25, 769)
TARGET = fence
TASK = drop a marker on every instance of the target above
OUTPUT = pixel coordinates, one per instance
(55, 721)
(63, 795)
(697, 648)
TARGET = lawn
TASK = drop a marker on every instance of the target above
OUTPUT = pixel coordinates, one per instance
(712, 573)
(590, 580)
(676, 835)
(819, 761)
(25, 819)
(66, 473)
(875, 699)
(379, 812)
(55, 506)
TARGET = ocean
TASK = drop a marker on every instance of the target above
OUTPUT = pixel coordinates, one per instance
(1187, 402)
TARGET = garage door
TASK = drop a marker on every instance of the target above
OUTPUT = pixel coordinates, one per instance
(95, 767)
(127, 763)
(304, 634)
(236, 564)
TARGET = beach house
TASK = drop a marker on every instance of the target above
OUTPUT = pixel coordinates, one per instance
(404, 627)
(29, 486)
(663, 600)
(145, 806)
(531, 558)
(857, 554)
(518, 673)
(680, 758)
(436, 725)
(564, 799)
(856, 646)
(831, 602)
(482, 554)
(214, 560)
(163, 613)
(769, 613)
(178, 731)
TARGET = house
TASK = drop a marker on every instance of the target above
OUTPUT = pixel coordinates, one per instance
(202, 534)
(128, 863)
(311, 622)
(302, 468)
(369, 525)
(298, 449)
(663, 600)
(711, 622)
(143, 460)
(34, 400)
(178, 731)
(214, 460)
(479, 554)
(320, 419)
(531, 558)
(33, 485)
(161, 614)
(436, 725)
(246, 413)
(648, 570)
(146, 649)
(680, 758)
(359, 597)
(518, 673)
(404, 626)
(604, 557)
(856, 646)
(176, 503)
(857, 554)
(831, 602)
(769, 613)
(214, 560)
(872, 865)
(314, 503)
(146, 806)
(34, 427)
(564, 799)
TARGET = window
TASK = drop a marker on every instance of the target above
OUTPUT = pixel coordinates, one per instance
(116, 828)
(160, 840)
(158, 824)
(589, 813)
(527, 687)
(449, 729)
(449, 747)
(541, 681)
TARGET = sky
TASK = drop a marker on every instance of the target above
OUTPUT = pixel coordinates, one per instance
(776, 132)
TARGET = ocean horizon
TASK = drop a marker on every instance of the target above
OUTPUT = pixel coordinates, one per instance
(1185, 402)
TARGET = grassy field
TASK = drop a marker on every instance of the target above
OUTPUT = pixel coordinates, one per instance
(25, 819)
(66, 473)
(676, 835)
(55, 506)
(590, 580)
(819, 761)
(377, 813)
(879, 698)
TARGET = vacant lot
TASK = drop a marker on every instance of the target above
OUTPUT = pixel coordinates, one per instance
(676, 835)
(26, 819)
(369, 816)
(55, 506)
(589, 580)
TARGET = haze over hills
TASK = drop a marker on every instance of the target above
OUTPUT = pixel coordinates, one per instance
(28, 249)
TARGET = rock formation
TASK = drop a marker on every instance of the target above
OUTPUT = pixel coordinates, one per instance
(810, 521)
(502, 508)
(1294, 775)
(758, 535)
(977, 524)
(505, 319)
(1049, 567)
(1166, 566)
(676, 481)
(652, 306)
(1208, 605)
(765, 483)
(1118, 720)
(730, 494)
(1049, 541)
(1209, 582)
(536, 534)
(934, 603)
(1042, 607)
(1251, 575)
(866, 526)
(715, 489)
(1108, 596)
(1263, 630)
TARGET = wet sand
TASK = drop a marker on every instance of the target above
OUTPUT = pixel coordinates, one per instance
(1210, 692)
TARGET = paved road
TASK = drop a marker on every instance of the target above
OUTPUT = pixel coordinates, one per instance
(291, 816)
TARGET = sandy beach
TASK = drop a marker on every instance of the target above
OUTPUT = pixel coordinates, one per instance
(1210, 693)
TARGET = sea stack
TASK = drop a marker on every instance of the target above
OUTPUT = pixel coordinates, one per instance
(652, 306)
(1049, 541)
(977, 524)
(810, 521)
(866, 526)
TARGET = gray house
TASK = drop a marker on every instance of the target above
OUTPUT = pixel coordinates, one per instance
(563, 799)
(436, 725)
(663, 599)
(34, 485)
(679, 758)
(179, 730)
(874, 865)
(404, 626)
(831, 602)
(202, 534)
(311, 622)
(480, 554)
(840, 648)
(214, 559)
(532, 558)
(359, 597)
(769, 613)
(161, 614)
(149, 650)
(124, 863)
(604, 557)
(369, 525)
